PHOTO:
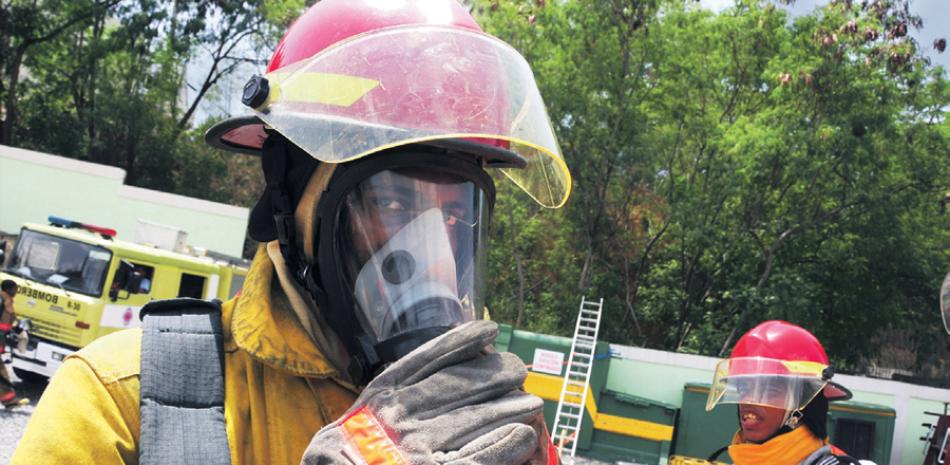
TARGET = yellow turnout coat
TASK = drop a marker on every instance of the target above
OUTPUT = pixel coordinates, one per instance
(280, 389)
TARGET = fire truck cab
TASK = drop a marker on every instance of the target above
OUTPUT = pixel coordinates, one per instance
(78, 283)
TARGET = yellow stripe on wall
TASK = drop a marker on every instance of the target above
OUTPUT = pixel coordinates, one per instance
(548, 387)
(633, 427)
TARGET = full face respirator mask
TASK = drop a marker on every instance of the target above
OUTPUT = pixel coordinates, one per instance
(400, 253)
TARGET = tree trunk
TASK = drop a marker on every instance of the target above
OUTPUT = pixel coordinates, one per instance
(769, 264)
(521, 289)
(6, 133)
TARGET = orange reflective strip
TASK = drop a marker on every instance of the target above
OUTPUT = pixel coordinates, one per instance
(364, 432)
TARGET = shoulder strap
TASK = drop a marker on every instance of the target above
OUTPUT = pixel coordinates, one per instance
(182, 384)
(715, 455)
(835, 459)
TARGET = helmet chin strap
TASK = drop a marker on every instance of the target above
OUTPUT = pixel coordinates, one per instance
(794, 420)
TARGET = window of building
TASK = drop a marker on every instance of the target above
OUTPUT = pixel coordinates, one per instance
(855, 437)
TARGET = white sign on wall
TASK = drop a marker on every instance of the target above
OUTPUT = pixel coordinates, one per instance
(548, 361)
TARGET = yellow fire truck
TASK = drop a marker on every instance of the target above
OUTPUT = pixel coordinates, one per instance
(77, 283)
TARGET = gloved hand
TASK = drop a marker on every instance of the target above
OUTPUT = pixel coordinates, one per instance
(453, 401)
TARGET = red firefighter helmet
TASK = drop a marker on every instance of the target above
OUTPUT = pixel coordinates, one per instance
(776, 364)
(352, 78)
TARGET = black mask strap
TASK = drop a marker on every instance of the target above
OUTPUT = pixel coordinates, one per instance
(274, 161)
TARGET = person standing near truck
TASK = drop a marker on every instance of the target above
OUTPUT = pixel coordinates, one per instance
(8, 291)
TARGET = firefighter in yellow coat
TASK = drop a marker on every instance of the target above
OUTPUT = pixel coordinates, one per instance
(378, 123)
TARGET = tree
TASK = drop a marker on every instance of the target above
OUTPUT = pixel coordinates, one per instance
(734, 167)
(109, 85)
(26, 24)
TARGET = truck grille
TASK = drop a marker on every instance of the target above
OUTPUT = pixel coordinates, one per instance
(56, 333)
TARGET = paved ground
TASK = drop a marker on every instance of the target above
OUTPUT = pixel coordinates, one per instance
(13, 421)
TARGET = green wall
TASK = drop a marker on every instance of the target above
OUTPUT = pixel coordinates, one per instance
(34, 185)
(668, 380)
(914, 420)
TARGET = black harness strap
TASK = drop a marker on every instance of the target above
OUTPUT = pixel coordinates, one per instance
(715, 455)
(182, 384)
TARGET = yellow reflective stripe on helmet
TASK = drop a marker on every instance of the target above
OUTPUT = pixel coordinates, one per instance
(326, 88)
(804, 367)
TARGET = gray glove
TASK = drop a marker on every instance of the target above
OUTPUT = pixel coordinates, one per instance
(451, 401)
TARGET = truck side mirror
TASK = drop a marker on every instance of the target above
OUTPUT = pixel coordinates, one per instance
(121, 280)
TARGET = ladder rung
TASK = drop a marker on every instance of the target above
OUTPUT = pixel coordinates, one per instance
(574, 392)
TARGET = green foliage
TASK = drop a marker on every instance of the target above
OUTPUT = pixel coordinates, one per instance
(105, 81)
(731, 168)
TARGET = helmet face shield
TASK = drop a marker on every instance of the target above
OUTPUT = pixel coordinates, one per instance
(782, 384)
(413, 243)
(420, 83)
(945, 302)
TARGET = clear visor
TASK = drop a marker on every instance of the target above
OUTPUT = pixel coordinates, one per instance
(945, 302)
(416, 83)
(782, 384)
(417, 242)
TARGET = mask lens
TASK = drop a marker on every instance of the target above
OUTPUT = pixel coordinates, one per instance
(412, 239)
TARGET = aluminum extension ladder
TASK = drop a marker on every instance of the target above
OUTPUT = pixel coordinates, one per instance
(570, 408)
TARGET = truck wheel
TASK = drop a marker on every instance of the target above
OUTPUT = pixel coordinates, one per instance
(29, 376)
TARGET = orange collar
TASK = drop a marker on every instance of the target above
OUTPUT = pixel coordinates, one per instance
(785, 449)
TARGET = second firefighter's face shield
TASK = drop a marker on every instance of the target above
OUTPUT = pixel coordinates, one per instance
(945, 302)
(782, 384)
(414, 84)
(415, 250)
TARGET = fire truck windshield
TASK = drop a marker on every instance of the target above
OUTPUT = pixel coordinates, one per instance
(65, 263)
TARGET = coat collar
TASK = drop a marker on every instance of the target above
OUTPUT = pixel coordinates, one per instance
(263, 323)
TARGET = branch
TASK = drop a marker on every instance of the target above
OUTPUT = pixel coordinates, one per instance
(59, 29)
